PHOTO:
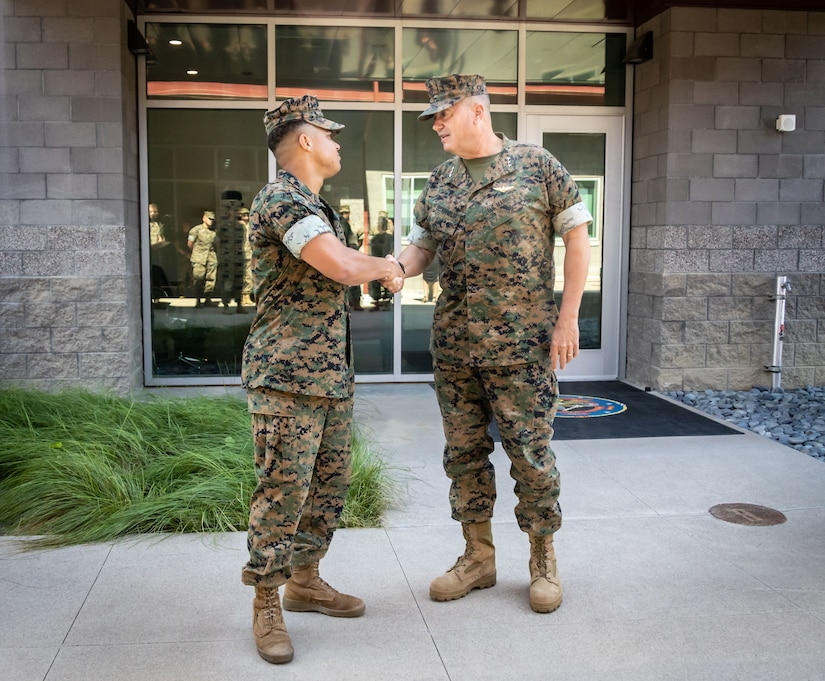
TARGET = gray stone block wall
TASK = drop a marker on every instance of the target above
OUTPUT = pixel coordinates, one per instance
(69, 241)
(722, 203)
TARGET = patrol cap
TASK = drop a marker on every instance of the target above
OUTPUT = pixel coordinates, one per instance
(209, 214)
(299, 109)
(447, 91)
(244, 211)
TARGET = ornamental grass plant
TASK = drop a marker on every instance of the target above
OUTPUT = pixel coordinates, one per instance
(79, 467)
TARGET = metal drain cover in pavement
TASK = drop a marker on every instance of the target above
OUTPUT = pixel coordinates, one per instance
(747, 514)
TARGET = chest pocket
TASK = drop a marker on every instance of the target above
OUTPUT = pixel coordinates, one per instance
(444, 223)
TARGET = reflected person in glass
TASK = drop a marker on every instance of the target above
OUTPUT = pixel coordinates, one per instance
(298, 374)
(204, 259)
(490, 214)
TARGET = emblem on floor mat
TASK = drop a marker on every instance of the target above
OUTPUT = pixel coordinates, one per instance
(584, 407)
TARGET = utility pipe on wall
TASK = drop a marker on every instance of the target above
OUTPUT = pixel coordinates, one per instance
(783, 285)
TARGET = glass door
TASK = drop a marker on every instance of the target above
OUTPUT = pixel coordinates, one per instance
(590, 147)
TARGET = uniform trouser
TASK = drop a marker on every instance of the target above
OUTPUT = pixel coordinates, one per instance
(302, 459)
(523, 399)
(205, 275)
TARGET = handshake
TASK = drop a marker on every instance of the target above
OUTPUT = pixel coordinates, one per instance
(394, 282)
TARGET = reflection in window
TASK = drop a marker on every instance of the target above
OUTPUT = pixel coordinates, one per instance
(201, 163)
(335, 7)
(197, 6)
(461, 8)
(578, 10)
(214, 61)
(560, 10)
(335, 63)
(422, 153)
(366, 159)
(575, 68)
(434, 52)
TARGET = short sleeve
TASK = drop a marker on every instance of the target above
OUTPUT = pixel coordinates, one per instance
(571, 217)
(281, 215)
(304, 231)
(568, 209)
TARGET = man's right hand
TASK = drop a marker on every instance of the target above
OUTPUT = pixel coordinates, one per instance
(395, 282)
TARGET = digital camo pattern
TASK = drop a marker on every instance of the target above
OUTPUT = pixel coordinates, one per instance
(523, 399)
(299, 341)
(447, 91)
(305, 108)
(494, 241)
(303, 462)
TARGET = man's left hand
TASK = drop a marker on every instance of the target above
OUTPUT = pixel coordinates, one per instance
(564, 345)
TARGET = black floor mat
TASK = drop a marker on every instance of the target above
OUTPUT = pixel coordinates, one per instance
(599, 410)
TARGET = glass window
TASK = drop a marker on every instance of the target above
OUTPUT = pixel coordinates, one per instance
(334, 7)
(461, 8)
(434, 52)
(214, 159)
(423, 152)
(201, 162)
(233, 7)
(578, 10)
(335, 63)
(366, 161)
(376, 8)
(206, 61)
(575, 68)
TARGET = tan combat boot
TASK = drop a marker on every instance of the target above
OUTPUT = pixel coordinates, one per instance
(476, 569)
(305, 591)
(271, 638)
(545, 586)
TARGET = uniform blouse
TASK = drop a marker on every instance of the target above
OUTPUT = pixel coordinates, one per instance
(299, 341)
(494, 240)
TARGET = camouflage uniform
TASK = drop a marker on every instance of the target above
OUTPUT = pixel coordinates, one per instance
(156, 232)
(493, 323)
(203, 258)
(298, 373)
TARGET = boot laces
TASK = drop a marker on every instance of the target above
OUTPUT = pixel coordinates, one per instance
(540, 554)
(317, 582)
(271, 611)
(465, 558)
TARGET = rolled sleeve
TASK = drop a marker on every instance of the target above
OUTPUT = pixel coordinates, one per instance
(571, 217)
(422, 238)
(304, 231)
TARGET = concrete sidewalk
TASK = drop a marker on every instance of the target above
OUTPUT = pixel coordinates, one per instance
(655, 587)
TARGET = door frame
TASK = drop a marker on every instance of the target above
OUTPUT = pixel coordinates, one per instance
(607, 362)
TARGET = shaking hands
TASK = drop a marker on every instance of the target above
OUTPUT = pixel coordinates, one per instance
(395, 281)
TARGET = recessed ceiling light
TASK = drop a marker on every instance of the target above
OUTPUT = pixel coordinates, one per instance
(191, 72)
(175, 42)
